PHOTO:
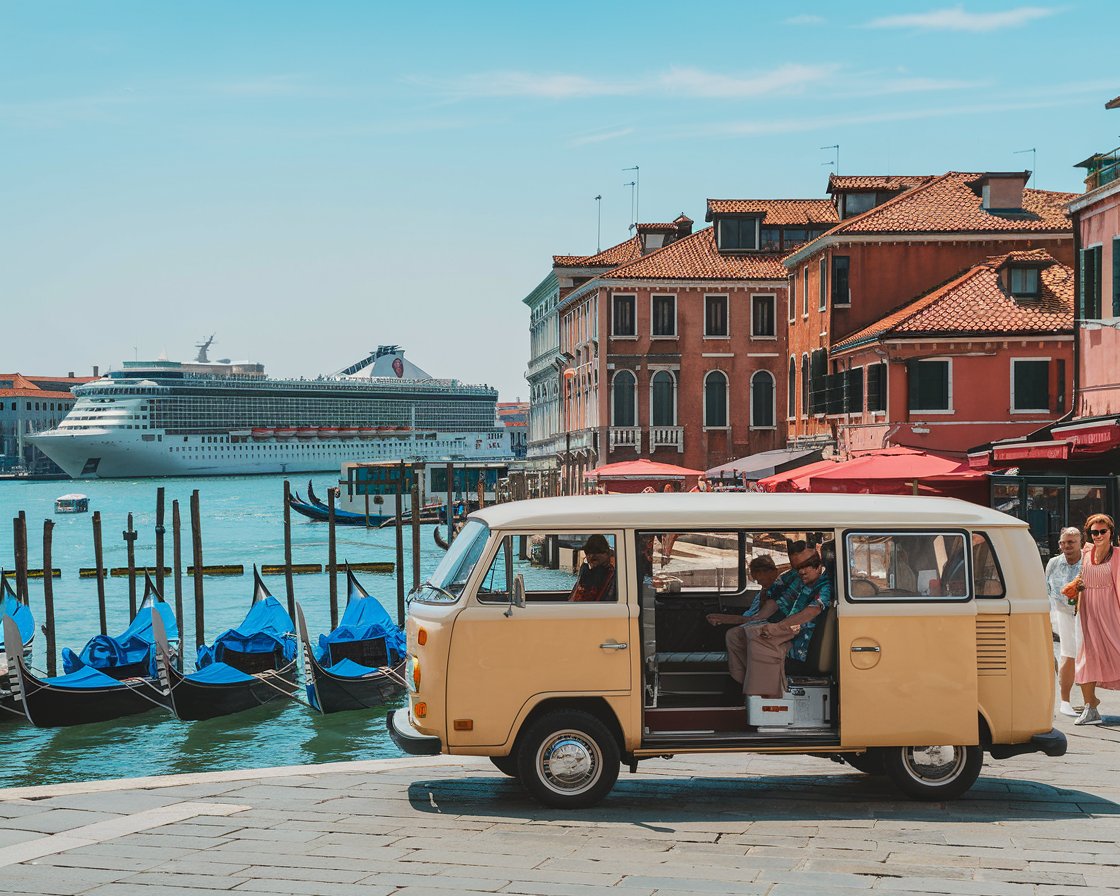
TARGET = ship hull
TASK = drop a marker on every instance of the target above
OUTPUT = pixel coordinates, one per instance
(116, 455)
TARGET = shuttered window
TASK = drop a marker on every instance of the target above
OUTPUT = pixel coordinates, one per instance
(929, 388)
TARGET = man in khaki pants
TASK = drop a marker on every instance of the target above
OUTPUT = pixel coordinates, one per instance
(757, 653)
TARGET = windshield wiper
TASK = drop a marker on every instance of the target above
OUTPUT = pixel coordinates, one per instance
(429, 584)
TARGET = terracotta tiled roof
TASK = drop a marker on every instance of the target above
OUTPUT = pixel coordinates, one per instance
(888, 183)
(1113, 104)
(975, 302)
(948, 204)
(33, 386)
(777, 211)
(657, 228)
(695, 258)
(625, 251)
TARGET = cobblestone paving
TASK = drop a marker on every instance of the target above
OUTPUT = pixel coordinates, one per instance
(733, 824)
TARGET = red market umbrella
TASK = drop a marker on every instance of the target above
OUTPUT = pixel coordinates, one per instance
(902, 471)
(794, 480)
(635, 475)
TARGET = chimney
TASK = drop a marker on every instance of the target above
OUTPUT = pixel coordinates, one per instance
(684, 225)
(1002, 191)
(95, 374)
(70, 375)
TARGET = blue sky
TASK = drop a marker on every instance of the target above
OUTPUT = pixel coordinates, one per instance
(309, 180)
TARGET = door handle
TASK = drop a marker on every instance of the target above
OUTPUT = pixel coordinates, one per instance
(614, 645)
(865, 650)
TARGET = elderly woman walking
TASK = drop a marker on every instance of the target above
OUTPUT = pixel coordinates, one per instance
(1097, 591)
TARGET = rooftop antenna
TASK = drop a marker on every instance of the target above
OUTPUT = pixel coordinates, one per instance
(633, 215)
(836, 164)
(599, 224)
(635, 194)
(1034, 163)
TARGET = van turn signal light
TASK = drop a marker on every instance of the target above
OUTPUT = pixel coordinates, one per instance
(464, 724)
(421, 636)
(420, 710)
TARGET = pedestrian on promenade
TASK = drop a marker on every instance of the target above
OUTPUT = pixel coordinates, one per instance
(1062, 569)
(1097, 592)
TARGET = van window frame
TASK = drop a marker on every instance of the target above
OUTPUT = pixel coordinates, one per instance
(983, 533)
(900, 599)
(741, 532)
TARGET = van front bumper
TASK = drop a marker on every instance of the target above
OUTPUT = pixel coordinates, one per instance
(1053, 743)
(410, 740)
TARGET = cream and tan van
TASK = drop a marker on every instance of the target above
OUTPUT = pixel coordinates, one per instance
(935, 650)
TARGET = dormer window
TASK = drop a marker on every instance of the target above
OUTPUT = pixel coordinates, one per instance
(858, 203)
(1024, 282)
(737, 234)
(771, 239)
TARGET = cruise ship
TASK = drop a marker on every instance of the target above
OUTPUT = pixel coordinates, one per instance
(204, 418)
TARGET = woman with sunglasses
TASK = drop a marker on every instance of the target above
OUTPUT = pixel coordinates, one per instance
(1097, 592)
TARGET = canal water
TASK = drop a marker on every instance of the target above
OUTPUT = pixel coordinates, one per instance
(242, 523)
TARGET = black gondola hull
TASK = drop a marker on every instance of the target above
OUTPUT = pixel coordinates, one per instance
(334, 693)
(47, 706)
(194, 701)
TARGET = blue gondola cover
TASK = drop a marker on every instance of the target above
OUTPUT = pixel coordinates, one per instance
(363, 619)
(25, 622)
(219, 673)
(267, 627)
(131, 646)
(84, 677)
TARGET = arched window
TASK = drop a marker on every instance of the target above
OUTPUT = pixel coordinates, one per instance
(663, 399)
(715, 400)
(804, 385)
(622, 399)
(762, 400)
(791, 389)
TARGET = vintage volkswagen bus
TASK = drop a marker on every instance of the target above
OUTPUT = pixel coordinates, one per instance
(935, 650)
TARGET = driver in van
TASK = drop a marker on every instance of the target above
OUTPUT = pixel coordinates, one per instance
(757, 653)
(596, 580)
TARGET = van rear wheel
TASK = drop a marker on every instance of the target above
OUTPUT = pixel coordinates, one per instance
(568, 759)
(933, 772)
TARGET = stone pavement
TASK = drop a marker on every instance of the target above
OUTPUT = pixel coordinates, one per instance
(727, 824)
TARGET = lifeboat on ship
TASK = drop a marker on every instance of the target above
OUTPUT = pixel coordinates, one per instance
(328, 432)
(347, 432)
(285, 432)
(403, 430)
(367, 432)
(382, 430)
(307, 432)
(260, 433)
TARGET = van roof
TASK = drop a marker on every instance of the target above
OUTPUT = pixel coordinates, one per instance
(722, 510)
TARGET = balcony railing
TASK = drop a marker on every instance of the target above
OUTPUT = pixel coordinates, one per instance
(626, 437)
(1105, 168)
(667, 437)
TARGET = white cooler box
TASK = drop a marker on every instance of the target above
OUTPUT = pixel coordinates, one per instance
(799, 707)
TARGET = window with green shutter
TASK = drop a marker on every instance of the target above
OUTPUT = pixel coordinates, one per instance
(929, 385)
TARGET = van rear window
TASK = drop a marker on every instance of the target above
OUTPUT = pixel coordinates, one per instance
(890, 566)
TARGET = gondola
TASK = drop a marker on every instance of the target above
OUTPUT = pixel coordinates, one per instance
(111, 678)
(245, 667)
(358, 665)
(316, 510)
(11, 605)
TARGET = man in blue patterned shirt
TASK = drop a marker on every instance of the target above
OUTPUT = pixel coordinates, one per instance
(757, 653)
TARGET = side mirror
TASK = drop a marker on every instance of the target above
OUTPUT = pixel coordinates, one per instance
(517, 595)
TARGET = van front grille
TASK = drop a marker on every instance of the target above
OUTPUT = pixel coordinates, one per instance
(991, 645)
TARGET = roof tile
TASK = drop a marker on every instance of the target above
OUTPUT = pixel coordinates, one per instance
(696, 258)
(627, 250)
(888, 183)
(777, 211)
(975, 302)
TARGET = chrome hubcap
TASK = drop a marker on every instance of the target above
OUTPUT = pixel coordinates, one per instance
(935, 764)
(569, 762)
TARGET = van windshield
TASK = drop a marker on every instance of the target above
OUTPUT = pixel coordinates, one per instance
(446, 584)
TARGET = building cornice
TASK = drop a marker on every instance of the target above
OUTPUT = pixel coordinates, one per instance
(1094, 196)
(821, 243)
(543, 290)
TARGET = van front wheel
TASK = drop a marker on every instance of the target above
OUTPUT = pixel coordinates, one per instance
(933, 772)
(568, 760)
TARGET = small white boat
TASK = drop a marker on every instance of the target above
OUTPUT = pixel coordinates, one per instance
(71, 504)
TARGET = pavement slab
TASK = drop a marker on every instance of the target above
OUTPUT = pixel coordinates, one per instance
(748, 825)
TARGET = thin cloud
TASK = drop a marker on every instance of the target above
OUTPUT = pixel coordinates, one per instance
(693, 82)
(600, 137)
(804, 20)
(957, 18)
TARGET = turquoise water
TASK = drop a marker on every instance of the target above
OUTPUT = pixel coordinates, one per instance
(242, 523)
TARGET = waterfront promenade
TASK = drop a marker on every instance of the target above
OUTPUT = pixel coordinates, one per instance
(734, 824)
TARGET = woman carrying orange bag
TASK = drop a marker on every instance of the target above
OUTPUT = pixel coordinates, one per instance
(1097, 592)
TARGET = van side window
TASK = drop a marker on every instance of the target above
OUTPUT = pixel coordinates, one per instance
(555, 568)
(987, 580)
(907, 566)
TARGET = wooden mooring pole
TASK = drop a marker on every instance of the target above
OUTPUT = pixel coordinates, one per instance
(159, 540)
(415, 533)
(450, 502)
(48, 596)
(196, 553)
(130, 541)
(400, 545)
(332, 558)
(289, 584)
(99, 564)
(177, 572)
(21, 556)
